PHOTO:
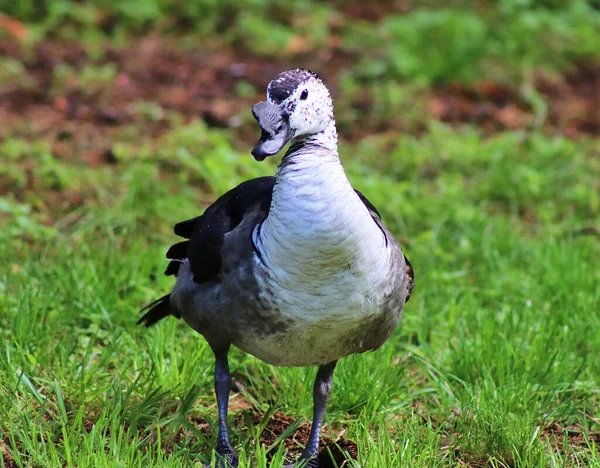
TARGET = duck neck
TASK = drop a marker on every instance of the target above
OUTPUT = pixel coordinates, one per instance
(326, 139)
(310, 165)
(317, 224)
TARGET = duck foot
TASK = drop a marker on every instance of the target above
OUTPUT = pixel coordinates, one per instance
(225, 457)
(302, 463)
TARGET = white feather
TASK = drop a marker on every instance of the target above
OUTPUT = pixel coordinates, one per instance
(328, 261)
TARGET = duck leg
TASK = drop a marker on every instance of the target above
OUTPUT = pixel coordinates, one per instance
(225, 456)
(321, 393)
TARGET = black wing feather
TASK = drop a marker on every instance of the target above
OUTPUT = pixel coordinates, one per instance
(186, 228)
(157, 310)
(178, 251)
(206, 233)
(173, 268)
(204, 250)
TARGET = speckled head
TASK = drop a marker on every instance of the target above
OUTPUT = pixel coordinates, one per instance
(305, 98)
(284, 84)
(298, 105)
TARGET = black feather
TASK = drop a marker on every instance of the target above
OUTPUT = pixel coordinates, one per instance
(159, 309)
(186, 228)
(173, 268)
(178, 251)
(204, 248)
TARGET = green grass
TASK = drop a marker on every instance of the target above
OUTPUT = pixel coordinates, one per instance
(501, 41)
(497, 360)
(499, 342)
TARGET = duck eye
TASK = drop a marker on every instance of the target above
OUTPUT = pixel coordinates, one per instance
(304, 95)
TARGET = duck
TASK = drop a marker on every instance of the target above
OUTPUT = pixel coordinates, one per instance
(296, 269)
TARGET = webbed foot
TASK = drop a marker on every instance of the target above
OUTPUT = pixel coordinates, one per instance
(225, 457)
(302, 463)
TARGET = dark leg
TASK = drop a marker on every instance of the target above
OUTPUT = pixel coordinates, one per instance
(321, 392)
(225, 454)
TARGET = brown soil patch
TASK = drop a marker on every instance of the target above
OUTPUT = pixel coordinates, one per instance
(488, 105)
(374, 11)
(82, 104)
(332, 453)
(83, 116)
(469, 461)
(574, 101)
(8, 460)
(570, 441)
(573, 104)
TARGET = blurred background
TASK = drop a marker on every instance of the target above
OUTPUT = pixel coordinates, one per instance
(89, 84)
(472, 125)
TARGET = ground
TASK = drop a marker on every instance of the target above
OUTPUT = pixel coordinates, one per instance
(482, 155)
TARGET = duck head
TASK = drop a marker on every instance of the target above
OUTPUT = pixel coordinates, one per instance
(298, 106)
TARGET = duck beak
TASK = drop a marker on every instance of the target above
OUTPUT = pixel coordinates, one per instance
(275, 129)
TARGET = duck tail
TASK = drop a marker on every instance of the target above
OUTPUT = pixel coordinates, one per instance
(157, 310)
